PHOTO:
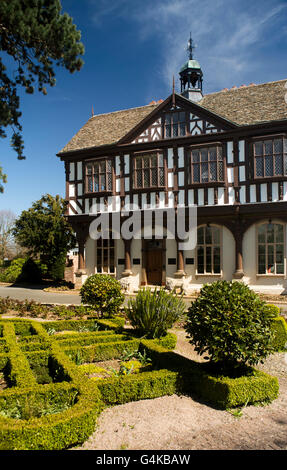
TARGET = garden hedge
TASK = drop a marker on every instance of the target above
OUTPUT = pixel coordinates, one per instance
(280, 330)
(52, 404)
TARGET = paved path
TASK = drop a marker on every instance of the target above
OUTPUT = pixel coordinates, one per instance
(39, 295)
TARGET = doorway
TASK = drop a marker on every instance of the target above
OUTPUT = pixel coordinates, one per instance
(154, 262)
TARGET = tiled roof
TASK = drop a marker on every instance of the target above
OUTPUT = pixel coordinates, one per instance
(107, 128)
(251, 104)
(245, 105)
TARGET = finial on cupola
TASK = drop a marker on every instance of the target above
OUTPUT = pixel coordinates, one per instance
(190, 47)
(191, 76)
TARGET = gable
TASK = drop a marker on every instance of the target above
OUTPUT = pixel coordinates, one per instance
(176, 117)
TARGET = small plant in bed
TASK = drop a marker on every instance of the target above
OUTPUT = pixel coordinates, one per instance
(231, 326)
(103, 293)
(153, 313)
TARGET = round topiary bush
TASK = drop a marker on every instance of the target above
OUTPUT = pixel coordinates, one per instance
(231, 324)
(153, 313)
(103, 293)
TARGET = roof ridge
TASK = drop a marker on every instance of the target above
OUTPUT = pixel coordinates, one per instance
(244, 87)
(123, 110)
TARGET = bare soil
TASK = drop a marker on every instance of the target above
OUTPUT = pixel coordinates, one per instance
(183, 423)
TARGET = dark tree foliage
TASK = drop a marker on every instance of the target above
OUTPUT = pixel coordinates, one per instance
(45, 232)
(39, 37)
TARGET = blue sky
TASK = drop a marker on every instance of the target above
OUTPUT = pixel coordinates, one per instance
(133, 49)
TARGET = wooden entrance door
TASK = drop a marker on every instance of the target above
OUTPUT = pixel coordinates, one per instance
(154, 259)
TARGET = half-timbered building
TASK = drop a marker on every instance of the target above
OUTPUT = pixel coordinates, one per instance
(224, 152)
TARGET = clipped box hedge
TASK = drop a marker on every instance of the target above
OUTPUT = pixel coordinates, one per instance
(280, 330)
(64, 412)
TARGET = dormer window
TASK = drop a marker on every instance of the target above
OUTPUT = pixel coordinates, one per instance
(99, 176)
(175, 124)
(270, 157)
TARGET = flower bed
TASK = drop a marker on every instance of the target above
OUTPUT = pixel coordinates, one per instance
(55, 385)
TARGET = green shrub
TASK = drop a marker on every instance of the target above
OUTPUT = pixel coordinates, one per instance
(32, 271)
(279, 327)
(103, 293)
(229, 323)
(153, 313)
(12, 273)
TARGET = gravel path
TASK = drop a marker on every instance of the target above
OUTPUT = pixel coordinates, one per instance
(181, 423)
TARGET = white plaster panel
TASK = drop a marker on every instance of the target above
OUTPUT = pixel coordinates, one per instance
(87, 206)
(118, 167)
(201, 197)
(181, 178)
(180, 157)
(127, 184)
(230, 175)
(170, 199)
(263, 192)
(135, 201)
(220, 196)
(231, 196)
(190, 197)
(242, 194)
(161, 199)
(127, 163)
(152, 200)
(170, 158)
(181, 198)
(170, 179)
(275, 192)
(229, 152)
(242, 176)
(80, 189)
(71, 190)
(118, 185)
(242, 151)
(72, 172)
(210, 193)
(79, 170)
(253, 193)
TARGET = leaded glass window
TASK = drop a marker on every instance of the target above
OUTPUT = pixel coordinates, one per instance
(208, 250)
(207, 165)
(175, 124)
(99, 176)
(270, 157)
(270, 253)
(149, 171)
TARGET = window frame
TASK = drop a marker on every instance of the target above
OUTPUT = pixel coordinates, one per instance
(270, 275)
(112, 173)
(135, 170)
(102, 249)
(252, 157)
(208, 183)
(210, 274)
(171, 113)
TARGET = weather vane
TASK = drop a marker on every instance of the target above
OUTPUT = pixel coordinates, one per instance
(190, 47)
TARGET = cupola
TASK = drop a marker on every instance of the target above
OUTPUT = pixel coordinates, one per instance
(191, 76)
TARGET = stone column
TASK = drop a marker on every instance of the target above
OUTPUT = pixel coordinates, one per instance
(239, 273)
(81, 271)
(128, 269)
(180, 273)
